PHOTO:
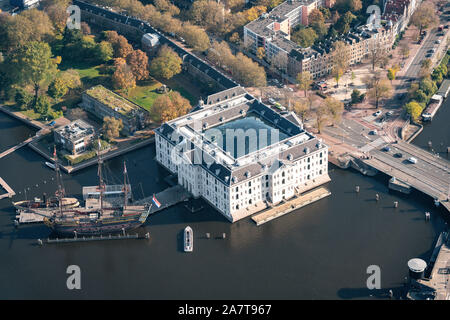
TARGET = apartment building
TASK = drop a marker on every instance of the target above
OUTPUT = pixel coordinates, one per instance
(272, 32)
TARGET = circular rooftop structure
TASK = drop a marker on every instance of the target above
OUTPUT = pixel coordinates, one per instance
(417, 265)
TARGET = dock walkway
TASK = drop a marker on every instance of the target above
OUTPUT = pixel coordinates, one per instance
(23, 143)
(290, 205)
(440, 275)
(9, 191)
(169, 197)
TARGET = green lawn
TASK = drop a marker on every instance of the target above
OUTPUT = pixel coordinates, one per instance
(144, 94)
(90, 74)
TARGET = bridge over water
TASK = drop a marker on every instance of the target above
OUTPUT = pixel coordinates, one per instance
(430, 175)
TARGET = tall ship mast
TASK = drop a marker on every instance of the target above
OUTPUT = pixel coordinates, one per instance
(99, 220)
(50, 203)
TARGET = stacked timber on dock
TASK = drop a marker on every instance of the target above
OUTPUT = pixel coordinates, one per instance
(291, 205)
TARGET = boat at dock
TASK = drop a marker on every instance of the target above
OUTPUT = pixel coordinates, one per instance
(188, 239)
(44, 203)
(433, 107)
(50, 165)
(96, 220)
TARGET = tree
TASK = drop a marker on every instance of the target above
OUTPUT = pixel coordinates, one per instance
(220, 55)
(414, 109)
(248, 72)
(17, 31)
(58, 16)
(138, 62)
(425, 67)
(391, 74)
(234, 38)
(378, 88)
(123, 78)
(304, 80)
(305, 37)
(195, 37)
(169, 106)
(166, 64)
(321, 116)
(357, 97)
(335, 108)
(301, 109)
(42, 105)
(104, 51)
(72, 78)
(121, 47)
(340, 58)
(316, 21)
(112, 127)
(404, 50)
(424, 16)
(85, 29)
(377, 54)
(58, 89)
(33, 64)
(343, 24)
(260, 53)
(23, 99)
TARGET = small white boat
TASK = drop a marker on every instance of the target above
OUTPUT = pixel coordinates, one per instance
(188, 239)
(50, 165)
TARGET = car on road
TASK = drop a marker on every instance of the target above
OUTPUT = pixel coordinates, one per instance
(412, 160)
(428, 55)
(437, 41)
(398, 155)
(376, 114)
(373, 132)
(387, 149)
(446, 26)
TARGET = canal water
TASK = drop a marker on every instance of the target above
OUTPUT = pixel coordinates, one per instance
(321, 251)
(437, 131)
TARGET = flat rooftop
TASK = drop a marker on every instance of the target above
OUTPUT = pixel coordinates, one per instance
(112, 100)
(245, 135)
(75, 130)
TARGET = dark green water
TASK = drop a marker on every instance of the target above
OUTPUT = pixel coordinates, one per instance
(321, 251)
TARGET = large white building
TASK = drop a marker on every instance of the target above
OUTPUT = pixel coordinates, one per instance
(240, 155)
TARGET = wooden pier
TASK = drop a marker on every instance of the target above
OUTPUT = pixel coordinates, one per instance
(9, 191)
(169, 197)
(290, 205)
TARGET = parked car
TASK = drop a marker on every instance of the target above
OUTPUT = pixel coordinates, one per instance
(428, 55)
(437, 41)
(271, 100)
(398, 155)
(390, 113)
(376, 114)
(387, 149)
(412, 160)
